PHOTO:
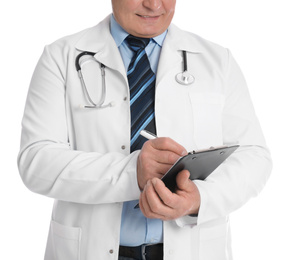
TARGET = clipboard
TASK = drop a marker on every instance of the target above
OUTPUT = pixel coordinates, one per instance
(200, 164)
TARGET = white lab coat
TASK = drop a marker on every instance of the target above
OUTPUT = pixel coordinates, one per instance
(81, 158)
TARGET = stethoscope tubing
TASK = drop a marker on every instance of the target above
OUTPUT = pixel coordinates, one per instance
(185, 62)
(183, 78)
(79, 70)
(79, 56)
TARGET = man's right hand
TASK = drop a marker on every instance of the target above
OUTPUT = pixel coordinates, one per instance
(156, 157)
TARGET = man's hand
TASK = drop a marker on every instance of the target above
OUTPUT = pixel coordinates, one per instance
(156, 158)
(157, 201)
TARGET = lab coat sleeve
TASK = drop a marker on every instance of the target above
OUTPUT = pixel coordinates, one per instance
(244, 174)
(47, 163)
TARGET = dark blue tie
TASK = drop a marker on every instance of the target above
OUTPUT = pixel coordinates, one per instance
(141, 80)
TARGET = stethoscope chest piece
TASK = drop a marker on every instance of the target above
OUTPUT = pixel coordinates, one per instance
(185, 78)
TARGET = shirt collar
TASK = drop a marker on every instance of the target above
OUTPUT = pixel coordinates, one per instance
(119, 34)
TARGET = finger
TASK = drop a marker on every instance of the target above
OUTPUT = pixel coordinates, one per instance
(145, 205)
(183, 181)
(148, 167)
(180, 203)
(160, 156)
(163, 168)
(159, 167)
(153, 198)
(167, 144)
(143, 202)
(156, 205)
(156, 169)
(161, 151)
(165, 195)
(149, 155)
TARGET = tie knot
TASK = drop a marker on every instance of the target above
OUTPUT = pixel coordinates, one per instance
(136, 43)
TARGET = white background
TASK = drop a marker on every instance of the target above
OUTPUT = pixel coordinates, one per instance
(258, 34)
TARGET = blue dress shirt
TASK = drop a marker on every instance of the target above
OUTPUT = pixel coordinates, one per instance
(136, 229)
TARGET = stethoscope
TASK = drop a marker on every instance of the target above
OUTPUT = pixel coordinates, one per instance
(100, 104)
(183, 78)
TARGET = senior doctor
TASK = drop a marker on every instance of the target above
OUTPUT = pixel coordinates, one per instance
(82, 157)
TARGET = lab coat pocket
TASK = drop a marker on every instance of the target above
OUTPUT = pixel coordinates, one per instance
(66, 242)
(213, 243)
(207, 115)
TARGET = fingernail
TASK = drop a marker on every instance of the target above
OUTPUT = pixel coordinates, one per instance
(184, 153)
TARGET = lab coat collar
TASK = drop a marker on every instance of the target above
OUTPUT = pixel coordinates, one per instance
(180, 40)
(98, 39)
(176, 42)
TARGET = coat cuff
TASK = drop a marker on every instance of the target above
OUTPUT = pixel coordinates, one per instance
(187, 221)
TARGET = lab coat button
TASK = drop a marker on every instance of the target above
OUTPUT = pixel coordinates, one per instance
(111, 251)
(123, 147)
(125, 98)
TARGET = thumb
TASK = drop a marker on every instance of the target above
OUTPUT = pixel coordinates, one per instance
(182, 180)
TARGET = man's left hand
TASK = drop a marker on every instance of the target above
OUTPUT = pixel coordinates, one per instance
(157, 201)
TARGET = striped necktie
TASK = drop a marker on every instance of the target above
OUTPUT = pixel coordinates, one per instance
(141, 80)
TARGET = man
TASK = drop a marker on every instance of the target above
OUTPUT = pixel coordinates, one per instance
(83, 158)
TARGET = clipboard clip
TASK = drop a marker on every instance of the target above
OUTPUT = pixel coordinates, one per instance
(209, 149)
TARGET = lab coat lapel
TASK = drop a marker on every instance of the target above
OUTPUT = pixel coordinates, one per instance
(176, 41)
(98, 39)
(169, 56)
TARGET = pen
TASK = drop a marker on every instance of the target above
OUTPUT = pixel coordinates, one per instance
(148, 135)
